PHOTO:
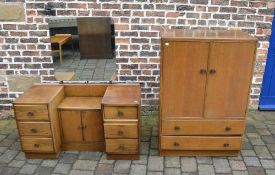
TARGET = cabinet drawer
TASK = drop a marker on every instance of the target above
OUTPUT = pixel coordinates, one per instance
(120, 112)
(203, 127)
(31, 112)
(200, 143)
(34, 128)
(122, 146)
(121, 130)
(32, 144)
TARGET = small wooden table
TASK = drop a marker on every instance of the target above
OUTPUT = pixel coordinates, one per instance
(61, 39)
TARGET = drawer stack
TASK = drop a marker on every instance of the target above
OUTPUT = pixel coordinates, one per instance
(121, 123)
(37, 124)
(34, 128)
(187, 136)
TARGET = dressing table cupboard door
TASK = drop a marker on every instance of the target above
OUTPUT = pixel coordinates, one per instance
(92, 126)
(71, 126)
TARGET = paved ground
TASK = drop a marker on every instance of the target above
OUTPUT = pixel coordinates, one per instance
(256, 158)
(85, 69)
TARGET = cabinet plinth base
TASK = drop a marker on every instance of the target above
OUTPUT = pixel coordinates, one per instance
(42, 155)
(199, 153)
(97, 146)
(122, 156)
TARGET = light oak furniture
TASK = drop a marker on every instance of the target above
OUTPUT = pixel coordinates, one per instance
(52, 118)
(204, 91)
(61, 39)
(122, 121)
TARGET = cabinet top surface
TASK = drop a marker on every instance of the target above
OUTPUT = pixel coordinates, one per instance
(80, 103)
(122, 95)
(197, 34)
(40, 94)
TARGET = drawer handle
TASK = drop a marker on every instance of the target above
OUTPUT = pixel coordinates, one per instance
(30, 114)
(120, 113)
(36, 145)
(176, 144)
(177, 128)
(120, 133)
(227, 129)
(121, 147)
(33, 130)
(226, 145)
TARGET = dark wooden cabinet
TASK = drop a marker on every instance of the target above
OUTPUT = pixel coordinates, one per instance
(204, 90)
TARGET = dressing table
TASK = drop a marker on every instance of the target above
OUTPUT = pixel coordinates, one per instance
(83, 117)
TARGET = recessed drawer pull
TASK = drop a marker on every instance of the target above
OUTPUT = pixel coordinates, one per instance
(227, 129)
(176, 144)
(177, 128)
(121, 147)
(30, 114)
(120, 113)
(226, 145)
(36, 145)
(120, 133)
(34, 130)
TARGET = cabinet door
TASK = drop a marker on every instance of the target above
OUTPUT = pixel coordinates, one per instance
(228, 83)
(182, 82)
(71, 126)
(92, 126)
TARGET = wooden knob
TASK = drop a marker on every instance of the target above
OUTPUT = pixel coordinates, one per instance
(177, 128)
(203, 71)
(36, 145)
(34, 130)
(30, 114)
(176, 144)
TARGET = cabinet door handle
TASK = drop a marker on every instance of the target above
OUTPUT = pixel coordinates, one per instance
(36, 145)
(177, 128)
(34, 130)
(120, 113)
(203, 71)
(176, 144)
(30, 114)
(212, 71)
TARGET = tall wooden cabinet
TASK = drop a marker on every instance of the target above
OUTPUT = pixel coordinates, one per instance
(205, 85)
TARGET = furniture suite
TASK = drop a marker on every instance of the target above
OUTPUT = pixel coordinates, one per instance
(204, 91)
(85, 117)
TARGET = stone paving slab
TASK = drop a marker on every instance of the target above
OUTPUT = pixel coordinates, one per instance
(257, 156)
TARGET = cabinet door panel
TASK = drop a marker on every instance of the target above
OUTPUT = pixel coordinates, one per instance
(71, 126)
(92, 126)
(228, 89)
(182, 83)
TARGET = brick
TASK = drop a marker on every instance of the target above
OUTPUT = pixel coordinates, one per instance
(221, 16)
(220, 2)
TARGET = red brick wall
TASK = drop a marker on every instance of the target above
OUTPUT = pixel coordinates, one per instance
(26, 48)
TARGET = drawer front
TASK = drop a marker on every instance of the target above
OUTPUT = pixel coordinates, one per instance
(31, 112)
(119, 130)
(120, 112)
(31, 144)
(200, 127)
(34, 129)
(122, 146)
(200, 143)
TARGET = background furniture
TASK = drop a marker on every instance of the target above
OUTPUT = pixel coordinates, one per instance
(96, 38)
(61, 39)
(205, 84)
(122, 121)
(52, 118)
